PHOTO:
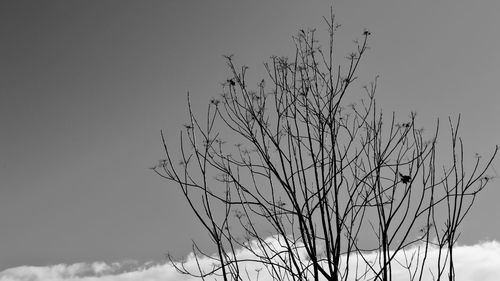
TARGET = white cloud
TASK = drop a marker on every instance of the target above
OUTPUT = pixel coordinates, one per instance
(477, 262)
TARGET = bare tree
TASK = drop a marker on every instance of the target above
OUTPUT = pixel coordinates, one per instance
(332, 182)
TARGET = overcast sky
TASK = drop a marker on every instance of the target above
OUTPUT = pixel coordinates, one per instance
(86, 87)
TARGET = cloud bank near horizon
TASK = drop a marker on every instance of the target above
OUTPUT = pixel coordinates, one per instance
(476, 262)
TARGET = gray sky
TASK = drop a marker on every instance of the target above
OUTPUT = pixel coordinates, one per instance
(86, 87)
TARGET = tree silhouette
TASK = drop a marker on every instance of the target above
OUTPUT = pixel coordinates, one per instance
(299, 162)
